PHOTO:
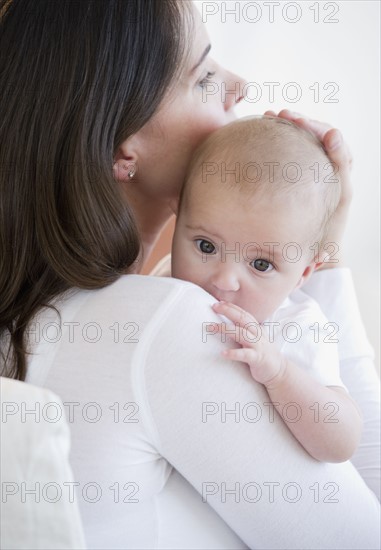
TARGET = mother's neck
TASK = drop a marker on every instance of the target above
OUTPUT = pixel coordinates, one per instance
(151, 216)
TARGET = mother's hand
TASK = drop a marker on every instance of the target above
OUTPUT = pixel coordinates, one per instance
(340, 156)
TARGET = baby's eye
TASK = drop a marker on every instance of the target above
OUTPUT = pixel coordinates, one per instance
(206, 247)
(204, 81)
(262, 265)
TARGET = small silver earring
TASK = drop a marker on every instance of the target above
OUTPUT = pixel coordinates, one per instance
(131, 170)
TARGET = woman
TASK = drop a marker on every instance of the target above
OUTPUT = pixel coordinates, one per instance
(103, 111)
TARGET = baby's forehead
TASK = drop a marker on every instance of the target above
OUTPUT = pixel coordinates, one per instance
(243, 218)
(220, 187)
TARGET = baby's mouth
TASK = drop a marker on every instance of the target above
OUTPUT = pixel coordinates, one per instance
(215, 295)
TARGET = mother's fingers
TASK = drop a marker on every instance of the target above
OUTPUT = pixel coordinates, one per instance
(319, 129)
(338, 153)
(331, 138)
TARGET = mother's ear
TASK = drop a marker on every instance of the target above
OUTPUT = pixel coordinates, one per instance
(125, 165)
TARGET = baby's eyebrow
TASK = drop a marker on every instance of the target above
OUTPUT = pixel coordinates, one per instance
(202, 230)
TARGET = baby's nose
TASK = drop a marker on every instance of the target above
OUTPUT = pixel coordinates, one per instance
(225, 279)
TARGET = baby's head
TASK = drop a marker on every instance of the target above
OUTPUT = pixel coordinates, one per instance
(254, 212)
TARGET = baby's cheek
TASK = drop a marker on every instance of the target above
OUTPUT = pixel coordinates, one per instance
(177, 272)
(261, 306)
(176, 256)
(182, 268)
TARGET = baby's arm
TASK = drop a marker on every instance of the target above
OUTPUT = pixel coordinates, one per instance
(330, 424)
(324, 419)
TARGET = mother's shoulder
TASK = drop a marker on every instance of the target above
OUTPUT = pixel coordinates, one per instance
(152, 285)
(135, 290)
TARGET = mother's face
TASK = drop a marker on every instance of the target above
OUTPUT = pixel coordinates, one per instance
(163, 147)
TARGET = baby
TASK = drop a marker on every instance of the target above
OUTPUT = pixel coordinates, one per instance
(252, 220)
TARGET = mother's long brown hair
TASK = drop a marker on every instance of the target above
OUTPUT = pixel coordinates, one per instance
(77, 77)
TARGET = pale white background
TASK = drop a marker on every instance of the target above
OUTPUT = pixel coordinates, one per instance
(346, 53)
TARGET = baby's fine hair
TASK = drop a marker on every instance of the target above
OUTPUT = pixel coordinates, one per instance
(273, 156)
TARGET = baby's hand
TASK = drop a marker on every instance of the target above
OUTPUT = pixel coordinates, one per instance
(265, 361)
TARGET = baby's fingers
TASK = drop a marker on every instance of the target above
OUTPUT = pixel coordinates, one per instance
(245, 355)
(235, 314)
(246, 336)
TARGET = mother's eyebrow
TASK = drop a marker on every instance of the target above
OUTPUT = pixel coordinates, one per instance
(206, 51)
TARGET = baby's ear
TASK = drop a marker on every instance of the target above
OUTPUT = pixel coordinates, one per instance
(322, 259)
(306, 274)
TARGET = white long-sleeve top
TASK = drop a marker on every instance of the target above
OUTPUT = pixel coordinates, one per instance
(174, 446)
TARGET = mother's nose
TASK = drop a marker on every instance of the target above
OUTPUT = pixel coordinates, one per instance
(235, 90)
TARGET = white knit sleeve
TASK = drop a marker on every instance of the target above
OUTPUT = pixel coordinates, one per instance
(215, 425)
(334, 290)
